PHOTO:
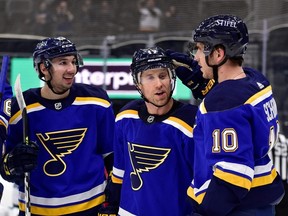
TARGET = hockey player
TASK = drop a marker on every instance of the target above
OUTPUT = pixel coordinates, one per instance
(236, 126)
(153, 148)
(5, 108)
(70, 127)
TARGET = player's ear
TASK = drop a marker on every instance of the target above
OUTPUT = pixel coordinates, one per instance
(42, 68)
(139, 86)
(219, 53)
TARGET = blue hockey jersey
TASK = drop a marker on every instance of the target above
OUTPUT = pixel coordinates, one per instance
(73, 134)
(5, 112)
(153, 159)
(237, 125)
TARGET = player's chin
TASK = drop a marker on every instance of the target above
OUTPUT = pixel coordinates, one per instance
(161, 102)
(67, 85)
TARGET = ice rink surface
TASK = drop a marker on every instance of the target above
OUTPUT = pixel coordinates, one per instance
(9, 199)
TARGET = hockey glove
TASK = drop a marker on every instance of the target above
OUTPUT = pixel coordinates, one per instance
(23, 158)
(108, 210)
(112, 193)
(189, 72)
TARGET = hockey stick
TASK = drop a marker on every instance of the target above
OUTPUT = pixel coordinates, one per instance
(3, 74)
(4, 69)
(22, 106)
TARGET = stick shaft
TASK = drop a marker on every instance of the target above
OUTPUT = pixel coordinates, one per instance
(3, 74)
(22, 106)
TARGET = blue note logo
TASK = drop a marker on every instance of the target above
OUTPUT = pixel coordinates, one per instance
(144, 159)
(59, 144)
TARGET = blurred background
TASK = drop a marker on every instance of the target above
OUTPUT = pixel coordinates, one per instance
(107, 32)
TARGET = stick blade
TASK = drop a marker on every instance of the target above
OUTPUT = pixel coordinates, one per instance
(18, 93)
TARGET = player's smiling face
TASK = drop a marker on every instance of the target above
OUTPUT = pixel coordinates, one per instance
(63, 72)
(155, 84)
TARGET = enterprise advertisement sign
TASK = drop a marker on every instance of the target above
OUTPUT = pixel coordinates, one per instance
(113, 75)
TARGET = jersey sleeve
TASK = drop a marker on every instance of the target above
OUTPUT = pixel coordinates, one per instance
(5, 109)
(119, 162)
(106, 126)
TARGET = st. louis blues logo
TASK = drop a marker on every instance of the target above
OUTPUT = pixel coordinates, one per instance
(144, 159)
(58, 144)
